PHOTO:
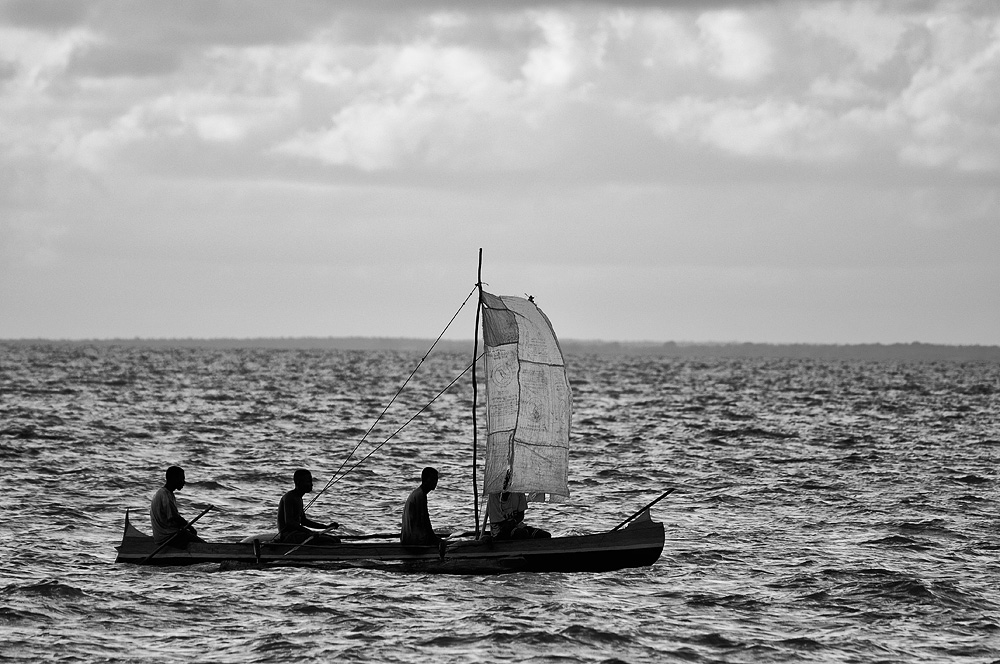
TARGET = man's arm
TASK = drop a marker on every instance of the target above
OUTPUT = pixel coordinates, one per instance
(181, 522)
(294, 516)
(306, 521)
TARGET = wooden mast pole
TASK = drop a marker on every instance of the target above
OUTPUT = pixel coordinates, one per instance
(475, 390)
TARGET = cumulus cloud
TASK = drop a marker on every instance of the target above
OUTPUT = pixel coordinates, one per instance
(614, 133)
(951, 102)
(470, 89)
(738, 51)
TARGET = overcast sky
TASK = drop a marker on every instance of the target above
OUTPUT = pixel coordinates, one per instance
(811, 171)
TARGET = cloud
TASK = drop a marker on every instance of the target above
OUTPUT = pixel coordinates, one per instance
(951, 103)
(869, 33)
(740, 145)
(111, 61)
(555, 62)
(738, 51)
(44, 14)
(511, 90)
(410, 106)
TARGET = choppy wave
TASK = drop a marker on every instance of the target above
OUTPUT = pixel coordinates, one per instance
(825, 510)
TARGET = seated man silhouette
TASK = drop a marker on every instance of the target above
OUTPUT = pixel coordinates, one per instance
(415, 527)
(168, 525)
(293, 524)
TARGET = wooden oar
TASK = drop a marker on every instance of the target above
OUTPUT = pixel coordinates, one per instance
(665, 494)
(372, 536)
(467, 533)
(164, 545)
(309, 539)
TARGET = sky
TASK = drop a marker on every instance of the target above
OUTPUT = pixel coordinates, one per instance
(704, 171)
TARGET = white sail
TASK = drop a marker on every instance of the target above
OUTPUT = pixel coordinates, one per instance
(528, 399)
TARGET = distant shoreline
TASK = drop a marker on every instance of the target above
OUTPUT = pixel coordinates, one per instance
(899, 351)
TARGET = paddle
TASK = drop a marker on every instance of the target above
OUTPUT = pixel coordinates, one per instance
(309, 539)
(665, 494)
(467, 533)
(171, 539)
(371, 536)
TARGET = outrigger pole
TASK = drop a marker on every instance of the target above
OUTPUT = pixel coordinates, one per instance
(648, 505)
(475, 389)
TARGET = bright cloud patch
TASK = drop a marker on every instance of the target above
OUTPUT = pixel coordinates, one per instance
(737, 51)
(513, 89)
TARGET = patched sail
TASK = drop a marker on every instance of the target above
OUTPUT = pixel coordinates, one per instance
(528, 400)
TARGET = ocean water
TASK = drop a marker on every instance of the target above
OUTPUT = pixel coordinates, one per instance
(828, 511)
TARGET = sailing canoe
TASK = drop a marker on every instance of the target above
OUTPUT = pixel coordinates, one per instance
(528, 416)
(637, 545)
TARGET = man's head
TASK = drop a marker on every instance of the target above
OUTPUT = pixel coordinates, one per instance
(429, 479)
(303, 480)
(175, 478)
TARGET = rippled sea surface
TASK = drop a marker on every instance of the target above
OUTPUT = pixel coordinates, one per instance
(830, 511)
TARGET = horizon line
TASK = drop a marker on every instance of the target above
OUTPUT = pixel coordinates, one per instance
(359, 337)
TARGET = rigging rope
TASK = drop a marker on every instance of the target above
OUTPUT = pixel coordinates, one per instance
(336, 477)
(403, 426)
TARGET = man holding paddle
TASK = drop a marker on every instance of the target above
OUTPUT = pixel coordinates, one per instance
(293, 524)
(168, 524)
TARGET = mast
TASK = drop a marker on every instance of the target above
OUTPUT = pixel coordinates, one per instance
(475, 389)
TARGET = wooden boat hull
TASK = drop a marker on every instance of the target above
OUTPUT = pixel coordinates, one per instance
(638, 545)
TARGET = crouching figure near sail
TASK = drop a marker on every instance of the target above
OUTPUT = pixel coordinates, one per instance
(506, 512)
